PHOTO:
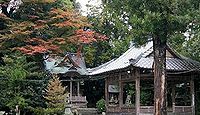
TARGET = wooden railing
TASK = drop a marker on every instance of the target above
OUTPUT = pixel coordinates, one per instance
(177, 110)
(183, 109)
(78, 101)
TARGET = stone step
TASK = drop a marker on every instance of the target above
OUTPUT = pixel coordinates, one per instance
(87, 111)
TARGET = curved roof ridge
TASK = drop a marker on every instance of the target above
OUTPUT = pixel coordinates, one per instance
(123, 61)
(101, 66)
(138, 57)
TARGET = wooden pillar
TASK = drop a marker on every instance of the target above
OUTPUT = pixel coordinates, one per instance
(78, 88)
(120, 91)
(192, 95)
(173, 98)
(106, 91)
(137, 88)
(71, 90)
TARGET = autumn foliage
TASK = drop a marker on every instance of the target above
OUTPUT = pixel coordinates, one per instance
(41, 30)
(70, 17)
(36, 46)
(86, 36)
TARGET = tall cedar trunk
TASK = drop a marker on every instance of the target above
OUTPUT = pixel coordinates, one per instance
(159, 47)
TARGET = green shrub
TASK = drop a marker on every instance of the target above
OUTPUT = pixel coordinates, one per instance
(39, 111)
(101, 105)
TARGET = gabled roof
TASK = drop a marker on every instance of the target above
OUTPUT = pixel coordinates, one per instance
(143, 58)
(124, 60)
(62, 65)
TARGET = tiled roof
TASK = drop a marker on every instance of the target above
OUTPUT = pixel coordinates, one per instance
(172, 64)
(124, 60)
(139, 57)
(68, 63)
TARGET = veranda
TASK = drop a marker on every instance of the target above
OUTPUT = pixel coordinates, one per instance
(133, 92)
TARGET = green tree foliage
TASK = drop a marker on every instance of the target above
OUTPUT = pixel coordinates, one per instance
(191, 48)
(21, 83)
(55, 96)
(186, 44)
(66, 4)
(143, 20)
(98, 53)
(137, 20)
(125, 21)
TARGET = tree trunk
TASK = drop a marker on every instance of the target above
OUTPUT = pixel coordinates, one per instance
(159, 47)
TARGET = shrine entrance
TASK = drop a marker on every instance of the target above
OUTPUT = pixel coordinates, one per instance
(94, 91)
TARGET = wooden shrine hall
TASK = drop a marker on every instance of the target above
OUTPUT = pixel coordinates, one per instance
(71, 70)
(129, 83)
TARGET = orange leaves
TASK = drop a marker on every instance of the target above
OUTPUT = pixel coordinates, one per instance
(67, 24)
(71, 18)
(2, 15)
(63, 14)
(37, 45)
(40, 24)
(31, 50)
(100, 37)
(59, 41)
(36, 41)
(68, 18)
(23, 26)
(86, 37)
(4, 18)
(41, 21)
(33, 17)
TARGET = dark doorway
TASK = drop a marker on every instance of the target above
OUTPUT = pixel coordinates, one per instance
(94, 91)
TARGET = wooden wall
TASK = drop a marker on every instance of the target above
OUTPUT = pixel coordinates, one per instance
(135, 75)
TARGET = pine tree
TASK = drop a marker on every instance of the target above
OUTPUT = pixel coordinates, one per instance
(21, 83)
(55, 96)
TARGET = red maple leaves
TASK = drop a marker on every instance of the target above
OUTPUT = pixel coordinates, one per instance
(56, 18)
(37, 46)
(86, 36)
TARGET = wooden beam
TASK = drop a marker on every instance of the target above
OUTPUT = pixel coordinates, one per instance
(137, 88)
(106, 92)
(78, 88)
(120, 91)
(173, 98)
(192, 95)
(71, 90)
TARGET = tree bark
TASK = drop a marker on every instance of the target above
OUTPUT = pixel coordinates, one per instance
(159, 47)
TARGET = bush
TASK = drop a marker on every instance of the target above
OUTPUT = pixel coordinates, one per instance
(101, 105)
(39, 111)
